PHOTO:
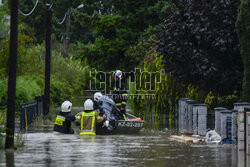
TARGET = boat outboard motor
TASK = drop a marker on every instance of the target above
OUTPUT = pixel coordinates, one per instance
(109, 108)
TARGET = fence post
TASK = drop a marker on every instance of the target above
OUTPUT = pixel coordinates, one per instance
(27, 113)
(189, 116)
(22, 117)
(234, 126)
(202, 119)
(218, 119)
(210, 119)
(195, 118)
(39, 100)
(181, 110)
(248, 131)
(242, 105)
(176, 112)
(241, 130)
(226, 115)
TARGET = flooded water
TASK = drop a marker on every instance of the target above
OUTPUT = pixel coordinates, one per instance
(148, 148)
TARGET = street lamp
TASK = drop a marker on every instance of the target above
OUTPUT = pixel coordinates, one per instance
(68, 22)
(80, 6)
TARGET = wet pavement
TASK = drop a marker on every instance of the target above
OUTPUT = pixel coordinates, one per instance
(148, 148)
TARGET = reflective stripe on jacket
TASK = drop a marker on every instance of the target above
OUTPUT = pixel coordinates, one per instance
(88, 121)
(63, 122)
(87, 132)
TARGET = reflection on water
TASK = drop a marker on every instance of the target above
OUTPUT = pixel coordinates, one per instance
(149, 148)
(9, 158)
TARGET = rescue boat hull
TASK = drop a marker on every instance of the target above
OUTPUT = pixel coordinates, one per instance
(131, 126)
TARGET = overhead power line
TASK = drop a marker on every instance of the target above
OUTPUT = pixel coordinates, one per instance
(62, 19)
(24, 14)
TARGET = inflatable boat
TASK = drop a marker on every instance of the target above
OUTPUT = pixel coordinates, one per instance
(132, 125)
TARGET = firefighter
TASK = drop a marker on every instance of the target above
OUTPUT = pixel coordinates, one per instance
(64, 119)
(120, 93)
(88, 119)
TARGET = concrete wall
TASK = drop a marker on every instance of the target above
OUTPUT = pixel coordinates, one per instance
(228, 123)
(192, 117)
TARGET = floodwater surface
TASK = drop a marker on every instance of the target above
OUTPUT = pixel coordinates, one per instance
(148, 148)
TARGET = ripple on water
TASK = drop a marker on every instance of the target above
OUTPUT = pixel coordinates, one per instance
(149, 148)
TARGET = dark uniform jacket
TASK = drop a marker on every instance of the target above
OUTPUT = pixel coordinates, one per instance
(63, 122)
(120, 94)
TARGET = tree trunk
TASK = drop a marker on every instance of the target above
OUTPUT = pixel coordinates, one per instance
(243, 29)
(46, 99)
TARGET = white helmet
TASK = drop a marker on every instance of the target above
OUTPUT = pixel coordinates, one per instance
(117, 74)
(97, 96)
(88, 105)
(66, 106)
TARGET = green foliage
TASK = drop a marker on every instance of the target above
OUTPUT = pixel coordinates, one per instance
(113, 37)
(194, 93)
(64, 83)
(221, 101)
(26, 90)
(108, 35)
(24, 42)
(144, 46)
(3, 93)
(199, 45)
(60, 91)
(104, 29)
(107, 25)
(69, 77)
(4, 28)
(167, 92)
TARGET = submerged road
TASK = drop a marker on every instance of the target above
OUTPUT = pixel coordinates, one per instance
(149, 148)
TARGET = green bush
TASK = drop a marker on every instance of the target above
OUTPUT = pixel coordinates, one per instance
(3, 93)
(2, 129)
(26, 90)
(25, 62)
(221, 101)
(71, 72)
(4, 27)
(60, 91)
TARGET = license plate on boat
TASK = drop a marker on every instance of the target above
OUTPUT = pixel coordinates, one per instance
(130, 124)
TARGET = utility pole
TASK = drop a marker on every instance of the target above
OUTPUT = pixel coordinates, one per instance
(46, 103)
(68, 31)
(12, 63)
(68, 24)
